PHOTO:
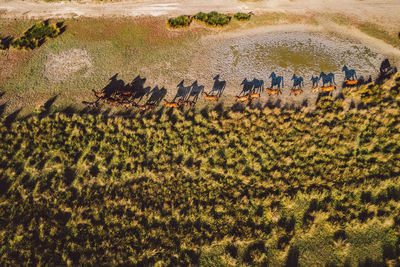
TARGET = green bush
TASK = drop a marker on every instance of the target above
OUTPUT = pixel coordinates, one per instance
(242, 16)
(213, 18)
(181, 21)
(37, 35)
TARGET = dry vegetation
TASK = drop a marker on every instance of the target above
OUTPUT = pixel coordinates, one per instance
(216, 187)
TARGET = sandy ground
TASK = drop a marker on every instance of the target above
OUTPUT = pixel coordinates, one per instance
(252, 54)
(380, 12)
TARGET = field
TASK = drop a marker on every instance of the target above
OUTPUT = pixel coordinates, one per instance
(281, 180)
(204, 187)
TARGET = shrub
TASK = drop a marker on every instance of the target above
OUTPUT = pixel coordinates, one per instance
(181, 21)
(213, 18)
(242, 16)
(37, 35)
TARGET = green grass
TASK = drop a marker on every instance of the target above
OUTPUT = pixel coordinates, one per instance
(379, 33)
(128, 47)
(211, 187)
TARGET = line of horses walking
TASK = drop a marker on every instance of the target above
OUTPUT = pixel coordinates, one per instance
(131, 94)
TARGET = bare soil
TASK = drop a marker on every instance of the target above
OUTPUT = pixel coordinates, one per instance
(380, 12)
(59, 67)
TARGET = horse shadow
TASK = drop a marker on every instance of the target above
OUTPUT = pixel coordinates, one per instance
(11, 118)
(297, 81)
(385, 72)
(218, 86)
(113, 86)
(183, 91)
(137, 88)
(157, 95)
(196, 91)
(258, 85)
(45, 109)
(276, 81)
(247, 86)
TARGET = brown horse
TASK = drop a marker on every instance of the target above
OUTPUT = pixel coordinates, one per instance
(146, 107)
(272, 92)
(170, 104)
(98, 95)
(328, 88)
(351, 82)
(184, 103)
(254, 95)
(242, 98)
(295, 91)
(91, 104)
(210, 97)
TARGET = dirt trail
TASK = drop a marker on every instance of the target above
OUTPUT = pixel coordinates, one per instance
(380, 12)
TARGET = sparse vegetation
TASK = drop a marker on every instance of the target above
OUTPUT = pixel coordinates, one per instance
(242, 16)
(216, 187)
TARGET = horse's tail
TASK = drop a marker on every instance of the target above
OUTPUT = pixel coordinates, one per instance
(333, 79)
(282, 83)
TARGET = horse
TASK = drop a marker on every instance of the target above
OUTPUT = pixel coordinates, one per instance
(247, 86)
(257, 84)
(242, 98)
(99, 95)
(145, 106)
(328, 88)
(276, 80)
(349, 73)
(315, 80)
(296, 91)
(91, 104)
(254, 95)
(297, 81)
(170, 104)
(327, 78)
(219, 86)
(210, 97)
(183, 103)
(272, 92)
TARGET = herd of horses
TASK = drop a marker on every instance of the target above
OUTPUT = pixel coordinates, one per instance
(118, 93)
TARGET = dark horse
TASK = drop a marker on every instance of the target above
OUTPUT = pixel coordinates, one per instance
(315, 80)
(247, 86)
(219, 86)
(349, 74)
(276, 80)
(297, 81)
(258, 85)
(327, 78)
